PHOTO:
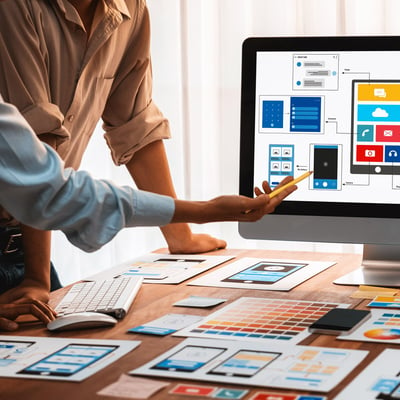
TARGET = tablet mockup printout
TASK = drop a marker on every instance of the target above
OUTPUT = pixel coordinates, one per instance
(263, 274)
(63, 359)
(259, 364)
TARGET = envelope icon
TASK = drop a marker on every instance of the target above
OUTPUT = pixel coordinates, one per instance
(387, 132)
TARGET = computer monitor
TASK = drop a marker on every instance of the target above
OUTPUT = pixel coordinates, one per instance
(330, 105)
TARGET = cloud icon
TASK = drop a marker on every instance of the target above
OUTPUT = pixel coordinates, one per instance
(380, 113)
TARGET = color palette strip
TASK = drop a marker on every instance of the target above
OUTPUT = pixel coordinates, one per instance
(387, 327)
(261, 319)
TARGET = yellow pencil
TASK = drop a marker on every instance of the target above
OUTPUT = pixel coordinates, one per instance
(293, 182)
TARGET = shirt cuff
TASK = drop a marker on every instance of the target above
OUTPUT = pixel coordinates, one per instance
(153, 209)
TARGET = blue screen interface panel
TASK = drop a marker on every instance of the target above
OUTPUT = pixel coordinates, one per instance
(334, 112)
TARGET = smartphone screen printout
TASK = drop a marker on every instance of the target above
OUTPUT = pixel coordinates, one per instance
(245, 363)
(189, 358)
(264, 273)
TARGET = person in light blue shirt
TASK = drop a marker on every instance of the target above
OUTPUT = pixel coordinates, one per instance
(37, 190)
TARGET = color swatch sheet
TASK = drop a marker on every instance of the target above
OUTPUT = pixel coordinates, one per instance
(380, 380)
(263, 320)
(58, 358)
(385, 302)
(163, 268)
(259, 364)
(262, 274)
(383, 326)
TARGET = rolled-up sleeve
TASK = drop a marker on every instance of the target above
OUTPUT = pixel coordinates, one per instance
(146, 127)
(47, 118)
(131, 119)
(24, 72)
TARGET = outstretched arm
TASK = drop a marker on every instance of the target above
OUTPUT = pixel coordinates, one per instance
(37, 190)
(231, 208)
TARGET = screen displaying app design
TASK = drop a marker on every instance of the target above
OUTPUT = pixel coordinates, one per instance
(336, 113)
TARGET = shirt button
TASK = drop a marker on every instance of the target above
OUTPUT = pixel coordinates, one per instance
(70, 118)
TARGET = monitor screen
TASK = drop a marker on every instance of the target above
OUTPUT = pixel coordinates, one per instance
(330, 105)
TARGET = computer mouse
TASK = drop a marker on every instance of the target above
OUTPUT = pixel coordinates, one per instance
(81, 320)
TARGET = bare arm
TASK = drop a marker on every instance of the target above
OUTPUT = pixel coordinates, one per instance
(231, 208)
(36, 243)
(150, 170)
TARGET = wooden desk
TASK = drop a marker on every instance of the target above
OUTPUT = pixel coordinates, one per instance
(154, 301)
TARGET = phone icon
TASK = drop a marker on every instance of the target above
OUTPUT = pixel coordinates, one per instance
(364, 132)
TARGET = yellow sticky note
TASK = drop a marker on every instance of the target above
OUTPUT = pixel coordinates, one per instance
(370, 292)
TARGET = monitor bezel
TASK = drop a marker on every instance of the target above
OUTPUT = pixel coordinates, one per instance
(247, 117)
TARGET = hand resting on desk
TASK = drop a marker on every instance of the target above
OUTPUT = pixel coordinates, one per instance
(36, 308)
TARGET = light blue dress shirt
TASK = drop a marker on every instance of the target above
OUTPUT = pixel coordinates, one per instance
(37, 190)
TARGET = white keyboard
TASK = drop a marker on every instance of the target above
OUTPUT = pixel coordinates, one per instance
(111, 296)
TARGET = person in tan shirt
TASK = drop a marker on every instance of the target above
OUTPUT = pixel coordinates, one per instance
(66, 64)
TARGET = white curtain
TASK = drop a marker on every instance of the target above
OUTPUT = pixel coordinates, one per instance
(196, 48)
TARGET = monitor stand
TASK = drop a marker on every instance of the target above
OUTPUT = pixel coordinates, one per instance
(380, 267)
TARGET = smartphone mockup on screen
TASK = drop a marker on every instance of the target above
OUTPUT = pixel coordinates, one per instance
(326, 162)
(339, 321)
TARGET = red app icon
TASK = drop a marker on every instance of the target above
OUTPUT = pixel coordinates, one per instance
(193, 390)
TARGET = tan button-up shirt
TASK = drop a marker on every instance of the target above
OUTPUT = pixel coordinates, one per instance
(64, 82)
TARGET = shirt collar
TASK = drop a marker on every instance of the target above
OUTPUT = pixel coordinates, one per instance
(71, 14)
(119, 5)
(69, 11)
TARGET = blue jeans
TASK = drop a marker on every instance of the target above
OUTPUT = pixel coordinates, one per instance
(12, 270)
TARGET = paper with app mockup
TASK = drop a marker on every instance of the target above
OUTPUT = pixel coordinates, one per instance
(63, 359)
(163, 268)
(255, 364)
(167, 324)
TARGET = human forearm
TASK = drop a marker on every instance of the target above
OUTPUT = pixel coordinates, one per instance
(35, 285)
(227, 208)
(37, 255)
(150, 170)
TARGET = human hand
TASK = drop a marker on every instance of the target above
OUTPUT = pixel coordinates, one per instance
(267, 189)
(181, 240)
(36, 308)
(232, 208)
(25, 292)
(195, 243)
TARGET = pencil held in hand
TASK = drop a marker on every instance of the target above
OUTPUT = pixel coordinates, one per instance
(291, 183)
